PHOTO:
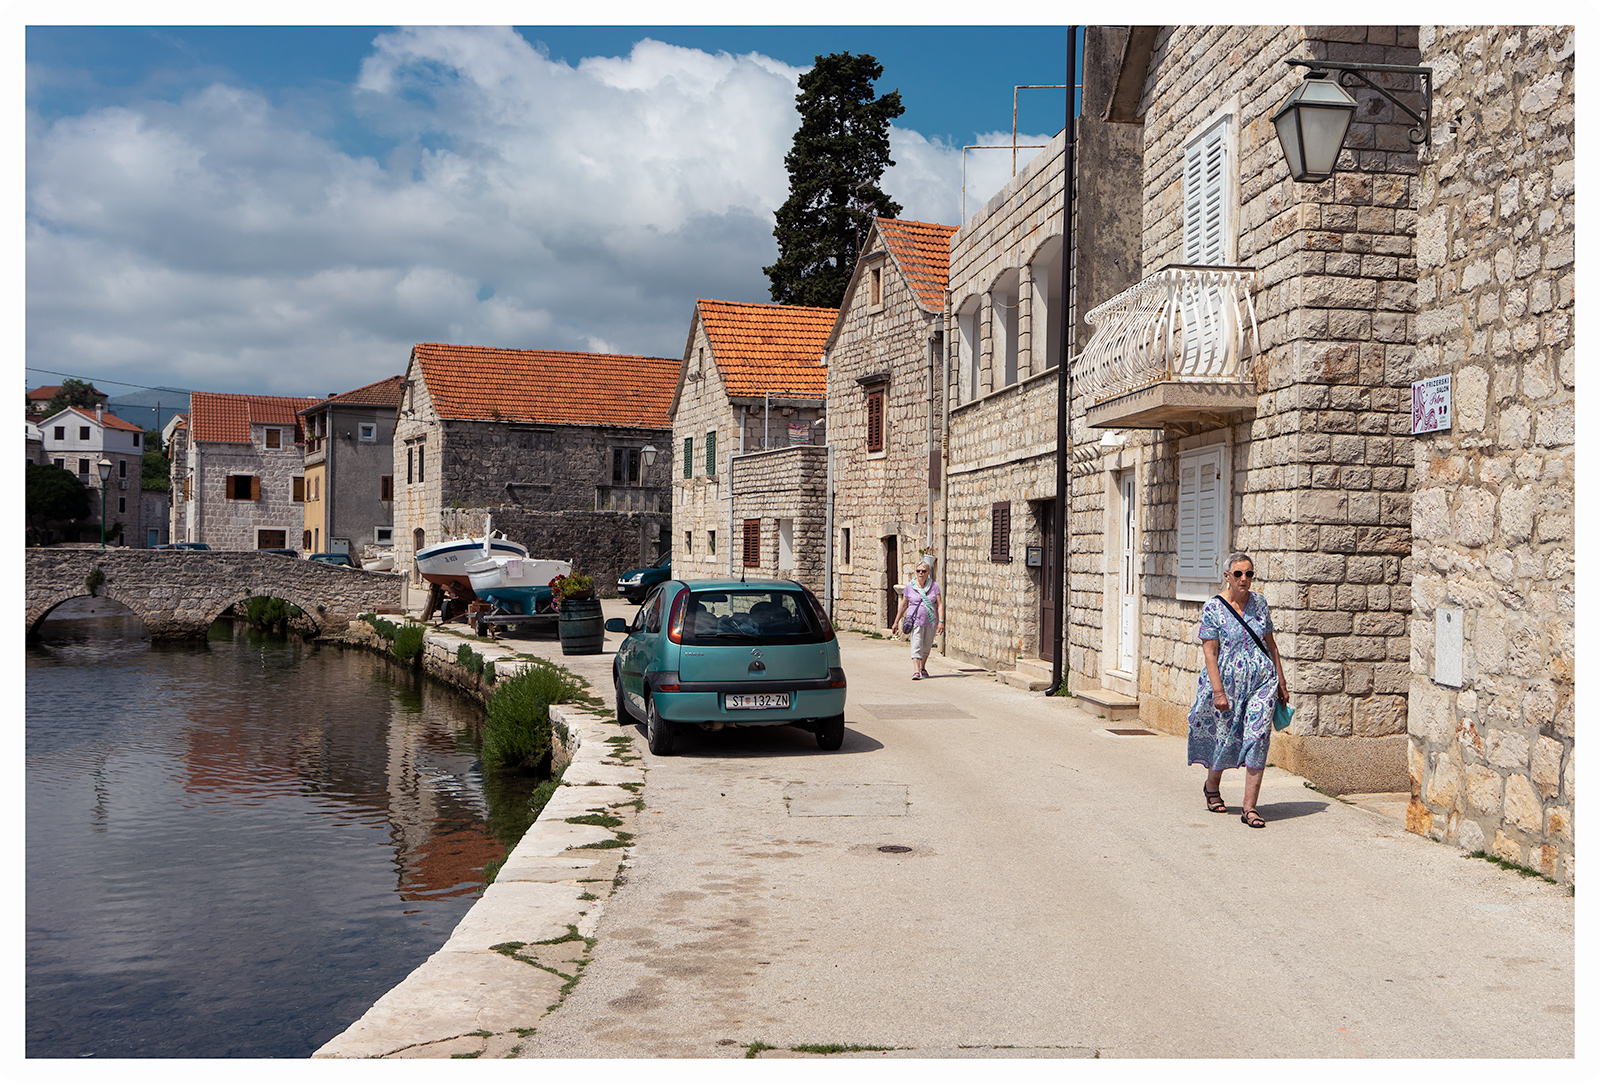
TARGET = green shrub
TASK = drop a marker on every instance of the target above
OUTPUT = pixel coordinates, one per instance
(94, 579)
(385, 629)
(516, 727)
(272, 614)
(464, 657)
(407, 643)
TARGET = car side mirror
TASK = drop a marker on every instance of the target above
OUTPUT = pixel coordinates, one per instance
(615, 624)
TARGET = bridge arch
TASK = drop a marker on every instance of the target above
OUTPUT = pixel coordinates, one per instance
(38, 612)
(245, 594)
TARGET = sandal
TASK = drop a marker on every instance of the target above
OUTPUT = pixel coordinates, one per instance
(1252, 818)
(1214, 802)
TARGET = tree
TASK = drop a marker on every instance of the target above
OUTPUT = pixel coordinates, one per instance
(155, 470)
(54, 496)
(839, 153)
(73, 393)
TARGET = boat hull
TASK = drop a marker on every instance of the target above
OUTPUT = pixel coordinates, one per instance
(521, 581)
(446, 562)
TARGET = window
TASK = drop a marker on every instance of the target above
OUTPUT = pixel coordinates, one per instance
(785, 543)
(186, 480)
(411, 465)
(316, 488)
(274, 438)
(61, 432)
(421, 454)
(875, 289)
(272, 540)
(1000, 532)
(136, 440)
(305, 540)
(752, 543)
(62, 463)
(122, 504)
(83, 432)
(711, 453)
(122, 468)
(369, 432)
(844, 544)
(625, 466)
(1005, 322)
(688, 543)
(969, 365)
(244, 487)
(711, 543)
(299, 489)
(83, 466)
(688, 457)
(875, 420)
(386, 488)
(1208, 196)
(1202, 521)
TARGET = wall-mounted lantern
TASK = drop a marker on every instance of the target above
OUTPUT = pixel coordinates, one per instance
(1314, 119)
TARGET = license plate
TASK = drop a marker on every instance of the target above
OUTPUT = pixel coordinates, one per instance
(733, 701)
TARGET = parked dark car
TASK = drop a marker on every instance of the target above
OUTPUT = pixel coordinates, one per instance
(281, 553)
(333, 559)
(719, 653)
(635, 583)
(183, 546)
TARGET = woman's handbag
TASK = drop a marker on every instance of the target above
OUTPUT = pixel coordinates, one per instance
(1282, 713)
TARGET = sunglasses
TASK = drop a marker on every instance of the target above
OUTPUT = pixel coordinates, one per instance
(1239, 573)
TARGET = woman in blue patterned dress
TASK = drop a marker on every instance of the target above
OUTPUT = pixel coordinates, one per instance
(1230, 725)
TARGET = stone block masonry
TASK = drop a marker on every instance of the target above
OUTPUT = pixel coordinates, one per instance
(601, 544)
(1492, 761)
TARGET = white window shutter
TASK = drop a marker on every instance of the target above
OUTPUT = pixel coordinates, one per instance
(1188, 473)
(1202, 522)
(1205, 197)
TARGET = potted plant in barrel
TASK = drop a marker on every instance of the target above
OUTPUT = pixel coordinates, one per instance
(581, 625)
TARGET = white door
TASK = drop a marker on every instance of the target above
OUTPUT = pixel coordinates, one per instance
(785, 544)
(1127, 610)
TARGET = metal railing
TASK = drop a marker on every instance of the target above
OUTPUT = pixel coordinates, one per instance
(1183, 323)
(627, 499)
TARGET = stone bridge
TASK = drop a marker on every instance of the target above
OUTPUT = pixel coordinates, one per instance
(178, 593)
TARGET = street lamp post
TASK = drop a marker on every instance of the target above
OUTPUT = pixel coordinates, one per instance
(104, 467)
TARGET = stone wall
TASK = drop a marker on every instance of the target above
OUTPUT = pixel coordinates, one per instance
(178, 593)
(884, 494)
(1492, 760)
(783, 484)
(601, 544)
(224, 523)
(700, 502)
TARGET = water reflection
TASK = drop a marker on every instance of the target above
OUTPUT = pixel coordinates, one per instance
(234, 848)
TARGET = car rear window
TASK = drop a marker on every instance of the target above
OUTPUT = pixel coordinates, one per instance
(765, 616)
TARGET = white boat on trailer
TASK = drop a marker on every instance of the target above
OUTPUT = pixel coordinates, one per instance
(445, 562)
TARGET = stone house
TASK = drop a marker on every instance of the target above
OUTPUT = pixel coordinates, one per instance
(885, 360)
(175, 439)
(1493, 584)
(1010, 320)
(39, 398)
(240, 481)
(34, 443)
(349, 506)
(748, 422)
(552, 444)
(76, 439)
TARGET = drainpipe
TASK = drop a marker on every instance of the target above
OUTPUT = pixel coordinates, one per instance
(827, 533)
(1058, 558)
(944, 454)
(766, 422)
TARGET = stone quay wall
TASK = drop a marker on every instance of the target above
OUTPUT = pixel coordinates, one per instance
(783, 484)
(884, 494)
(1492, 759)
(179, 593)
(602, 544)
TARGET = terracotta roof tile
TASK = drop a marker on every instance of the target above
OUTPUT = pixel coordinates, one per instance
(219, 418)
(922, 249)
(766, 348)
(381, 393)
(550, 387)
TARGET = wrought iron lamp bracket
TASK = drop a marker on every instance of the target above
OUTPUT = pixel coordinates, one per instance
(1352, 74)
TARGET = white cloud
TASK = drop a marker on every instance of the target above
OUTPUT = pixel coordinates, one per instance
(216, 243)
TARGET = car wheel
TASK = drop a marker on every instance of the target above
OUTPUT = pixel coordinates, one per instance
(657, 731)
(624, 713)
(830, 732)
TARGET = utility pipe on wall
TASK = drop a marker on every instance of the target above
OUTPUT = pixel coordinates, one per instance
(1058, 558)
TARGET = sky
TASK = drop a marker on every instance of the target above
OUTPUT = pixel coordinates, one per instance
(286, 210)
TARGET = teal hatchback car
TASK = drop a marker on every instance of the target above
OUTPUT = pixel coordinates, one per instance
(721, 653)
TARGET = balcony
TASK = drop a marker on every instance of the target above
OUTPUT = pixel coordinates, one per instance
(1175, 351)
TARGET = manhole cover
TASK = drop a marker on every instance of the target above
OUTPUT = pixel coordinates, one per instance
(895, 848)
(1134, 733)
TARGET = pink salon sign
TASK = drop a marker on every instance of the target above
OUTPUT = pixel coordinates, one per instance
(1430, 404)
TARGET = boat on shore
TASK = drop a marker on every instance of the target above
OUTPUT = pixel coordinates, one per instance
(380, 561)
(444, 563)
(515, 583)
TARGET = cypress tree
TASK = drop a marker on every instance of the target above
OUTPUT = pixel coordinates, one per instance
(839, 153)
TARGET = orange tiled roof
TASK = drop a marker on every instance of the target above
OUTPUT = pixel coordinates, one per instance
(383, 393)
(549, 387)
(220, 418)
(922, 249)
(110, 421)
(765, 348)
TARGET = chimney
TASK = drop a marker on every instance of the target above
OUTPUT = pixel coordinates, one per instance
(100, 413)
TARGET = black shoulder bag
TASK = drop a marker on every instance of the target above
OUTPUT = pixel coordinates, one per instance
(1282, 713)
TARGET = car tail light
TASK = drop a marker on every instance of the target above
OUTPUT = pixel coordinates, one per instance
(835, 678)
(675, 617)
(822, 616)
(669, 688)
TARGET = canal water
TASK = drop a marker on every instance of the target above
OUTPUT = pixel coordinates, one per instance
(235, 847)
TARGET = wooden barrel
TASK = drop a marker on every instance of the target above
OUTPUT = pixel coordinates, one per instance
(582, 627)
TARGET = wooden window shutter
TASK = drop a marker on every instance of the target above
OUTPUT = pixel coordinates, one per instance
(711, 453)
(299, 488)
(386, 488)
(1000, 532)
(752, 543)
(255, 487)
(688, 457)
(875, 420)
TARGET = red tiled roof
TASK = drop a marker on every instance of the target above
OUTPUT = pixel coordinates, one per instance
(550, 387)
(922, 249)
(110, 421)
(765, 348)
(382, 393)
(50, 391)
(219, 418)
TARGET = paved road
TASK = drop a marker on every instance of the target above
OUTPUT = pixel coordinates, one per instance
(1065, 894)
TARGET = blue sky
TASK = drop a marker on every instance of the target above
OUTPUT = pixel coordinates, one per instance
(286, 210)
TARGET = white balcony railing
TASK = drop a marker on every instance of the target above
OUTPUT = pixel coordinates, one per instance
(1183, 323)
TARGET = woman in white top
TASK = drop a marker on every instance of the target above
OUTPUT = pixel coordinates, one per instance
(921, 615)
